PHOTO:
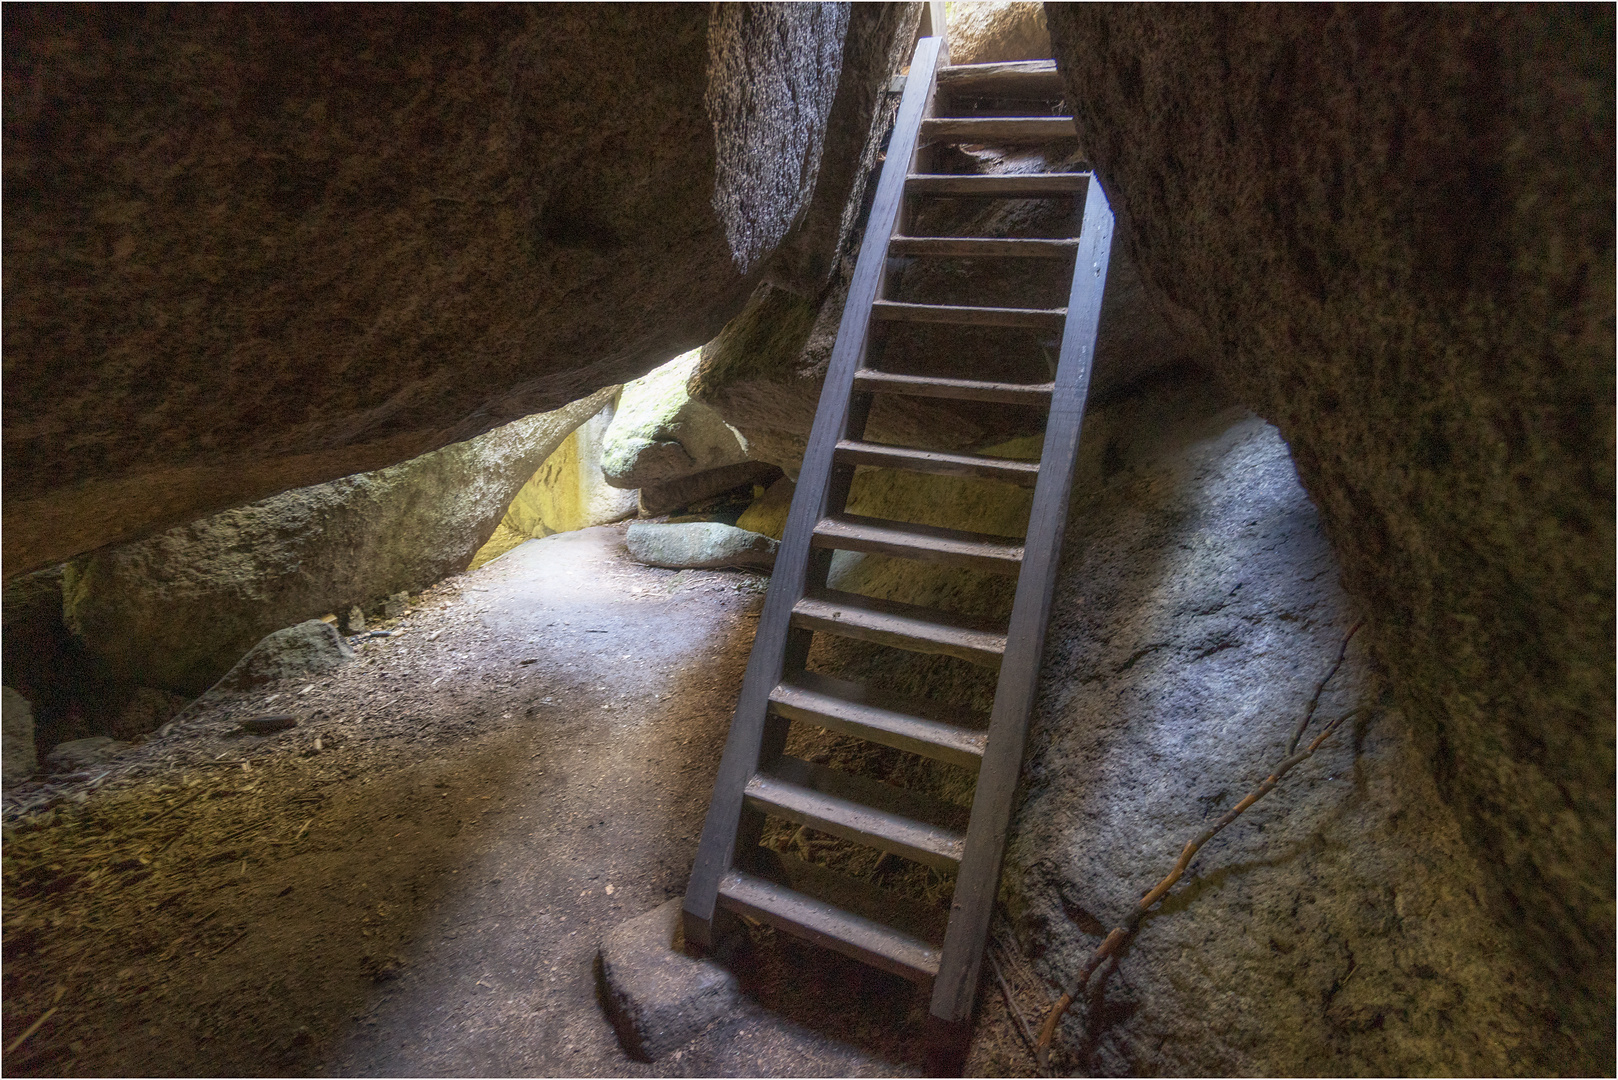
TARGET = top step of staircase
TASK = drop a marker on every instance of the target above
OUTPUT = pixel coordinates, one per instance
(1032, 79)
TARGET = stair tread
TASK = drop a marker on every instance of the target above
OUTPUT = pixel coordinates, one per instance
(970, 314)
(983, 247)
(1035, 79)
(1037, 394)
(850, 934)
(1007, 185)
(863, 810)
(854, 532)
(999, 128)
(904, 626)
(931, 729)
(939, 462)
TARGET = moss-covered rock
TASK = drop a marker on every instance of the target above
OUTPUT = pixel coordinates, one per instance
(658, 433)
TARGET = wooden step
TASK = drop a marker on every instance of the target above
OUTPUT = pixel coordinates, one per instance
(1029, 79)
(928, 543)
(850, 708)
(902, 626)
(1048, 319)
(999, 129)
(937, 462)
(998, 185)
(863, 810)
(815, 920)
(1036, 395)
(973, 247)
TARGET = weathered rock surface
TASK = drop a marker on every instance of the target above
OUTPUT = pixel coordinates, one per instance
(248, 250)
(76, 754)
(18, 760)
(1391, 230)
(989, 31)
(657, 997)
(699, 545)
(662, 498)
(309, 648)
(177, 610)
(1337, 926)
(659, 434)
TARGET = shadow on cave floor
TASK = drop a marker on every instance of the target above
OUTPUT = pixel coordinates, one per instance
(416, 879)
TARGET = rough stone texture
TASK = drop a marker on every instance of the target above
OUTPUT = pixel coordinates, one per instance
(177, 610)
(657, 997)
(989, 31)
(250, 249)
(77, 754)
(1340, 925)
(569, 491)
(699, 545)
(310, 648)
(663, 498)
(1391, 230)
(18, 761)
(659, 434)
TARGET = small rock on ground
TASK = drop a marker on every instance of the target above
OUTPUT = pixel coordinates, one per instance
(657, 997)
(83, 753)
(311, 647)
(699, 545)
(17, 755)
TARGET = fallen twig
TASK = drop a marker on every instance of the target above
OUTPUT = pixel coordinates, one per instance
(35, 1026)
(1011, 1004)
(1320, 688)
(1120, 934)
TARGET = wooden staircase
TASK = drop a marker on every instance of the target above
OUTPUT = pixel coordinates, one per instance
(757, 780)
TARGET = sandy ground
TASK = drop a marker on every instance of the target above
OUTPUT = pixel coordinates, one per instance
(415, 880)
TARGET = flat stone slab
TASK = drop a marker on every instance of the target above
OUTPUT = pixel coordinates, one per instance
(699, 545)
(657, 997)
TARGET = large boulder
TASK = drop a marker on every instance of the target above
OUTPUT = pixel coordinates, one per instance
(178, 609)
(252, 249)
(659, 433)
(991, 31)
(1390, 229)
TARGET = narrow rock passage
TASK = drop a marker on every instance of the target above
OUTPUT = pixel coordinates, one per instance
(415, 880)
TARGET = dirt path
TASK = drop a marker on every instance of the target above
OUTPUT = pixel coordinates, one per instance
(416, 879)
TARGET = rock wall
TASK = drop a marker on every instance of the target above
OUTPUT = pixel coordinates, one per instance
(1337, 927)
(252, 249)
(177, 610)
(1391, 232)
(991, 31)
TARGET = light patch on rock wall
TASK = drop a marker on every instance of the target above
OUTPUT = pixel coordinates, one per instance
(568, 491)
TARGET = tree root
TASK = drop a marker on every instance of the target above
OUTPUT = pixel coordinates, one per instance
(1122, 933)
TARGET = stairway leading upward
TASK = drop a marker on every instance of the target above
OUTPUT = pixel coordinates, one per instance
(733, 874)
